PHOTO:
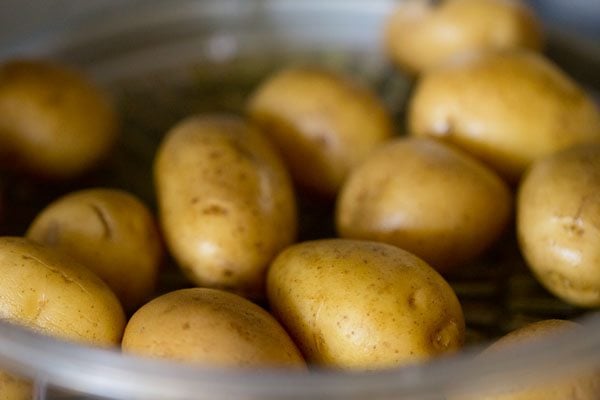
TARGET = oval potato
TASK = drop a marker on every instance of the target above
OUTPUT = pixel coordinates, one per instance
(558, 223)
(507, 109)
(422, 34)
(53, 121)
(425, 197)
(323, 123)
(582, 386)
(363, 305)
(211, 327)
(52, 294)
(226, 202)
(111, 232)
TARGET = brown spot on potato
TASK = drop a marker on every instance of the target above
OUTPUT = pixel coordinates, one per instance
(214, 209)
(185, 326)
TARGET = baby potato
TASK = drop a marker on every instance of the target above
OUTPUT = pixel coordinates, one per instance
(226, 202)
(15, 388)
(354, 304)
(53, 122)
(109, 231)
(48, 292)
(323, 123)
(508, 109)
(425, 197)
(558, 223)
(584, 386)
(212, 327)
(422, 34)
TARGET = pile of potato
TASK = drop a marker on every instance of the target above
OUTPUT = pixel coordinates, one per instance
(496, 133)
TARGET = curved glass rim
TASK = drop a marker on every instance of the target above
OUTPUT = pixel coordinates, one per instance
(108, 373)
(105, 372)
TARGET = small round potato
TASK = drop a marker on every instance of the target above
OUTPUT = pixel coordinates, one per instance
(226, 202)
(323, 124)
(109, 231)
(558, 223)
(507, 108)
(354, 304)
(422, 34)
(212, 327)
(50, 293)
(425, 197)
(53, 122)
(584, 386)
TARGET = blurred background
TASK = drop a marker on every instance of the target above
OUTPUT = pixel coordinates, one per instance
(21, 18)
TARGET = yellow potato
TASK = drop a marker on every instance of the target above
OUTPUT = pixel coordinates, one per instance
(425, 197)
(109, 231)
(50, 293)
(508, 109)
(420, 34)
(583, 386)
(211, 327)
(45, 291)
(363, 305)
(226, 202)
(53, 121)
(558, 223)
(323, 124)
(14, 388)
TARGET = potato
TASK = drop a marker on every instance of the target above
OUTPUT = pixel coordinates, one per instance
(422, 34)
(211, 327)
(111, 232)
(15, 388)
(53, 121)
(396, 195)
(323, 123)
(355, 304)
(45, 291)
(226, 202)
(508, 109)
(558, 223)
(52, 294)
(583, 386)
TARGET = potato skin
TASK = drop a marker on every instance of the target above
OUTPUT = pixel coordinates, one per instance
(420, 35)
(53, 122)
(48, 292)
(226, 202)
(363, 305)
(14, 388)
(581, 387)
(558, 223)
(211, 327)
(111, 232)
(507, 109)
(394, 197)
(323, 124)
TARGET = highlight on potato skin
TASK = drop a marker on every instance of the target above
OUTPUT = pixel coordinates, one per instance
(54, 122)
(226, 202)
(505, 108)
(558, 223)
(421, 34)
(323, 123)
(360, 305)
